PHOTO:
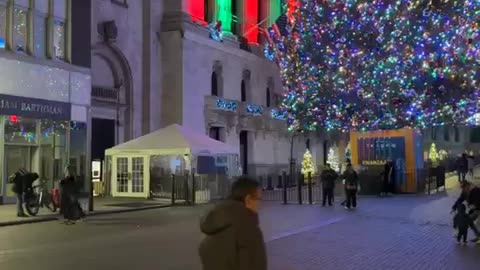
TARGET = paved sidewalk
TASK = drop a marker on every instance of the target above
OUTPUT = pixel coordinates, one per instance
(102, 205)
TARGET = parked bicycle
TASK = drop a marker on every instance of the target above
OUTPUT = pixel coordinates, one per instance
(37, 196)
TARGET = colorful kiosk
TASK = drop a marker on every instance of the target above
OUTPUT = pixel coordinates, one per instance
(371, 150)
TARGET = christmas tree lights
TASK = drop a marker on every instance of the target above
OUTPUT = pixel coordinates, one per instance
(307, 164)
(433, 154)
(379, 64)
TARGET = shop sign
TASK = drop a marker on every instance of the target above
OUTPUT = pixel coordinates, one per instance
(34, 108)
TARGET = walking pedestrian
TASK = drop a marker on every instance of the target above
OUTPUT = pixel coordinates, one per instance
(461, 222)
(471, 165)
(471, 195)
(18, 179)
(233, 236)
(461, 165)
(351, 186)
(328, 178)
(69, 202)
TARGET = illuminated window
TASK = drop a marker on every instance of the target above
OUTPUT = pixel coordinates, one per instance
(39, 38)
(59, 39)
(3, 27)
(20, 30)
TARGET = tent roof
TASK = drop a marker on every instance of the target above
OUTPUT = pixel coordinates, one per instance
(173, 140)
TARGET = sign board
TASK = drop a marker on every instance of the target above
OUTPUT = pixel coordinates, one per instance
(34, 108)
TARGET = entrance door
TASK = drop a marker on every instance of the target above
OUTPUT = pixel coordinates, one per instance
(16, 157)
(130, 176)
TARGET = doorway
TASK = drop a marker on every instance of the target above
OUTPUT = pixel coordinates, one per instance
(103, 137)
(16, 157)
(131, 176)
(244, 151)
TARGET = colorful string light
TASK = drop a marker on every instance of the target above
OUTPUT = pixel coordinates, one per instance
(379, 64)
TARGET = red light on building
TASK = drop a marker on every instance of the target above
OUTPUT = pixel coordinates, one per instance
(13, 118)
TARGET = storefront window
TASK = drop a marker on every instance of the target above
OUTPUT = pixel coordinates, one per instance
(19, 130)
(53, 142)
(3, 23)
(20, 30)
(78, 152)
(40, 36)
(59, 39)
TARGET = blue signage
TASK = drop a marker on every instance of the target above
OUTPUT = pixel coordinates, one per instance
(254, 110)
(377, 151)
(226, 105)
(278, 115)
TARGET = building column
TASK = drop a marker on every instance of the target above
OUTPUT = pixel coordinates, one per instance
(223, 13)
(249, 20)
(274, 11)
(195, 8)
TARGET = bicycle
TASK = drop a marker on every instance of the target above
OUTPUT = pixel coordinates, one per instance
(37, 196)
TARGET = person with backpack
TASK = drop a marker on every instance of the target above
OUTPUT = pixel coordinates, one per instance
(18, 179)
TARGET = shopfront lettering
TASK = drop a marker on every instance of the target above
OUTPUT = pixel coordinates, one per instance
(34, 108)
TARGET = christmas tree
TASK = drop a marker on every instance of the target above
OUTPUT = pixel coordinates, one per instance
(332, 158)
(384, 64)
(307, 164)
(433, 154)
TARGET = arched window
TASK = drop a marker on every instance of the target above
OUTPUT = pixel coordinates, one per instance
(214, 83)
(244, 92)
(268, 97)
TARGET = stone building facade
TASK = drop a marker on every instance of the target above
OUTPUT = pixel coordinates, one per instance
(155, 64)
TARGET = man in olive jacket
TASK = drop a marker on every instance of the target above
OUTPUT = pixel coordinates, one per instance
(233, 239)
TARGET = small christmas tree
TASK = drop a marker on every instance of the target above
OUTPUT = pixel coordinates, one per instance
(307, 164)
(332, 158)
(433, 154)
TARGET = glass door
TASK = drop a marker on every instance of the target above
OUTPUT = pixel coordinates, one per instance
(129, 174)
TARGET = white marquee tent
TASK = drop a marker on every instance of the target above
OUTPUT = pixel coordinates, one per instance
(130, 161)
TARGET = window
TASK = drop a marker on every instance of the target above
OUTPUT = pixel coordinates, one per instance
(59, 39)
(3, 26)
(446, 134)
(307, 144)
(208, 10)
(214, 83)
(40, 35)
(216, 133)
(456, 134)
(434, 133)
(235, 20)
(243, 91)
(20, 30)
(268, 97)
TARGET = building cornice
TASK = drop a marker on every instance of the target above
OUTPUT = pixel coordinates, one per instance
(44, 62)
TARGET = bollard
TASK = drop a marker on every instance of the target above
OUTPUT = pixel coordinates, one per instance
(310, 199)
(193, 188)
(173, 189)
(300, 188)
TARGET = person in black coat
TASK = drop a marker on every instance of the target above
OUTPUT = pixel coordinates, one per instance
(351, 186)
(461, 165)
(328, 178)
(461, 222)
(470, 194)
(69, 202)
(233, 238)
(19, 181)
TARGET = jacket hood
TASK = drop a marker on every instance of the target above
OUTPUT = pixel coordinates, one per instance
(222, 217)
